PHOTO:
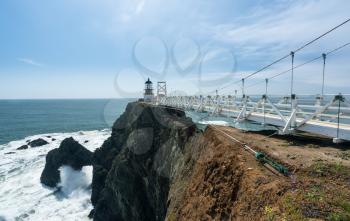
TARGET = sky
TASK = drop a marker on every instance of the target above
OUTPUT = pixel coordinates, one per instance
(108, 48)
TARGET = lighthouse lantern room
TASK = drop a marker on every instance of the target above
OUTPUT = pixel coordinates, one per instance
(148, 95)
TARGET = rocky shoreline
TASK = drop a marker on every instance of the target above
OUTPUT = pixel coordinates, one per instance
(134, 170)
(157, 165)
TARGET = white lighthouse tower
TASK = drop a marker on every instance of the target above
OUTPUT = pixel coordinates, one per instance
(148, 95)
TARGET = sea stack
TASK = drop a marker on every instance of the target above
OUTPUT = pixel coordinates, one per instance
(70, 153)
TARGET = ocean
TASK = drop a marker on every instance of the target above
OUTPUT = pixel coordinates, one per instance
(22, 197)
(22, 118)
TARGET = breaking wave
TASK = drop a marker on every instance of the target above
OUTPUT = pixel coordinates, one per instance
(23, 197)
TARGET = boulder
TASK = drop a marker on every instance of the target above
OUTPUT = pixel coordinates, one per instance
(70, 153)
(37, 143)
(23, 147)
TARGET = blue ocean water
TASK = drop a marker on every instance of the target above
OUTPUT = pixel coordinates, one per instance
(22, 118)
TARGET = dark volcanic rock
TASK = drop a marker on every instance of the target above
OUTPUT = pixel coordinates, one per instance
(23, 147)
(37, 143)
(9, 153)
(91, 214)
(69, 153)
(132, 170)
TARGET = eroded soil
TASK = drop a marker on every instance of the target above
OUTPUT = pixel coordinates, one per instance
(228, 183)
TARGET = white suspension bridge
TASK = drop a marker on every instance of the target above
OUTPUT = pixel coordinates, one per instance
(326, 115)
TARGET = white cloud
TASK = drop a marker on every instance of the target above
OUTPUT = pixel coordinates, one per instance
(131, 9)
(30, 62)
(272, 32)
(282, 30)
(140, 6)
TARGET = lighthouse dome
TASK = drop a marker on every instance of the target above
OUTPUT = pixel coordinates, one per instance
(148, 81)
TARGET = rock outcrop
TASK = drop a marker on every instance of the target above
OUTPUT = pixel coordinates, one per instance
(23, 147)
(37, 143)
(157, 166)
(69, 153)
(134, 168)
(10, 153)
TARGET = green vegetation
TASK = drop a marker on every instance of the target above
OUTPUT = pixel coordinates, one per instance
(321, 193)
(312, 146)
(270, 213)
(322, 169)
(315, 194)
(292, 210)
(171, 217)
(343, 213)
(339, 216)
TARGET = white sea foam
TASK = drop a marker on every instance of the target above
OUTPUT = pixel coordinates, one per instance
(215, 122)
(22, 197)
(73, 181)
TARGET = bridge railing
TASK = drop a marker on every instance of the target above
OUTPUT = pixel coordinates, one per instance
(289, 113)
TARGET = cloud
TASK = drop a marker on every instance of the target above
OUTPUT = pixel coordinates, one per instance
(131, 9)
(140, 6)
(274, 31)
(30, 62)
(271, 32)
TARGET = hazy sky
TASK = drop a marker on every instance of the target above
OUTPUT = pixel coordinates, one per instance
(107, 48)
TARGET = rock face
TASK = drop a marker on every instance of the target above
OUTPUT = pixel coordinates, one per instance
(37, 143)
(134, 168)
(23, 147)
(69, 153)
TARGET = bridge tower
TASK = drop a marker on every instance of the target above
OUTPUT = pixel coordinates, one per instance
(148, 95)
(161, 91)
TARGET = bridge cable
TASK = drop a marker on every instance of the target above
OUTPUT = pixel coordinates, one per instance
(303, 64)
(286, 56)
(299, 49)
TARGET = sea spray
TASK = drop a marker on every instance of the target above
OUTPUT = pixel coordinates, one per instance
(22, 196)
(74, 182)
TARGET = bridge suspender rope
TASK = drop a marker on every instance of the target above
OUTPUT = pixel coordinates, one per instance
(292, 78)
(309, 118)
(323, 72)
(243, 86)
(338, 118)
(340, 98)
(305, 63)
(286, 56)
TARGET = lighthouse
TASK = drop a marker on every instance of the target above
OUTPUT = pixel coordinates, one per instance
(148, 95)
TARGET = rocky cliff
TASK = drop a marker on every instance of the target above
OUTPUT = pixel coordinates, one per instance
(157, 166)
(134, 169)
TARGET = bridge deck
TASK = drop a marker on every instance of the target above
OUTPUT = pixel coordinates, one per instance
(317, 119)
(324, 128)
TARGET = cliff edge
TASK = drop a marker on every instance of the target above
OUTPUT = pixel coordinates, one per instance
(157, 166)
(134, 169)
